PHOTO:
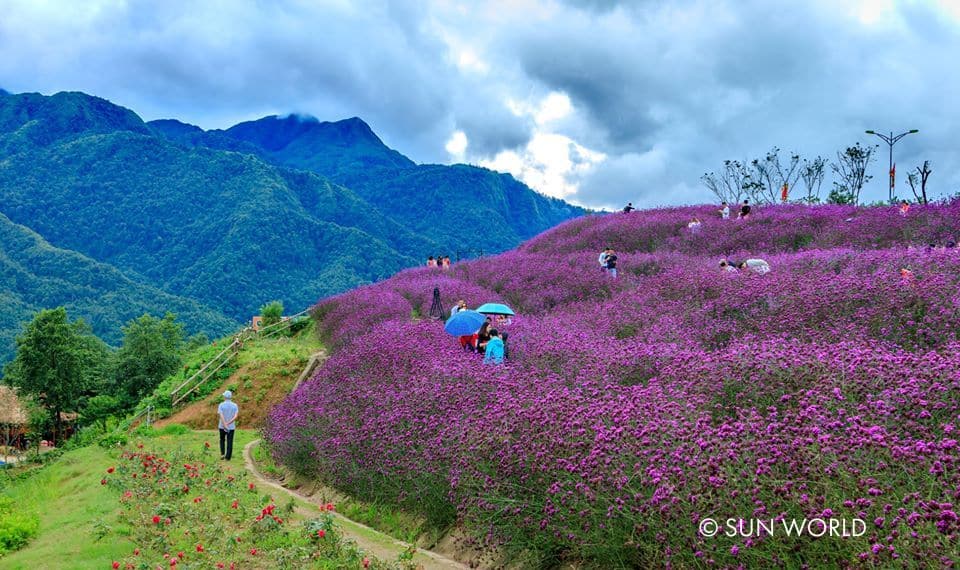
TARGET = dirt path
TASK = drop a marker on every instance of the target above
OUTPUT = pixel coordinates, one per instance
(380, 545)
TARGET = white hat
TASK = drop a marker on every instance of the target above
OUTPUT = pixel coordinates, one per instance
(228, 394)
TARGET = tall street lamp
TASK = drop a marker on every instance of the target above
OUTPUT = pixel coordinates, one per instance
(891, 140)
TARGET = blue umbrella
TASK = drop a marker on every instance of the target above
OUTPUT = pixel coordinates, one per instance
(464, 323)
(495, 309)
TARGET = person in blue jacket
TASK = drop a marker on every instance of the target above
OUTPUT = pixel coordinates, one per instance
(495, 349)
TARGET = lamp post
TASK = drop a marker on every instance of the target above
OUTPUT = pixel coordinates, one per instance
(891, 140)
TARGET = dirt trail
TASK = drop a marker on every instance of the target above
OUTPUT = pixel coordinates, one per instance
(380, 545)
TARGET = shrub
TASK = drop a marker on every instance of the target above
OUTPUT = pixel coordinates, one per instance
(16, 527)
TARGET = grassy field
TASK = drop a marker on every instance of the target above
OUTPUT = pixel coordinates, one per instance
(79, 523)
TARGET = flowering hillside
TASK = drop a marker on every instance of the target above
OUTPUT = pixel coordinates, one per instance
(631, 410)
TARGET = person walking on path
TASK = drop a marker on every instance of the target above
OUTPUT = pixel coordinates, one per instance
(227, 413)
(495, 349)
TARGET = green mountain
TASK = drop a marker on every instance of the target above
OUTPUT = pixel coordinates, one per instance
(460, 206)
(35, 275)
(281, 208)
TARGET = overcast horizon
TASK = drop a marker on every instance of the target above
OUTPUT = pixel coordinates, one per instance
(597, 102)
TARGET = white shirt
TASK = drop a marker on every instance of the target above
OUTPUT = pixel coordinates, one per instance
(725, 212)
(603, 259)
(758, 266)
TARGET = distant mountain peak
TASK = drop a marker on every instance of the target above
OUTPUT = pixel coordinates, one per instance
(304, 138)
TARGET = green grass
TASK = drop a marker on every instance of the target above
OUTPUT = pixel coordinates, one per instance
(70, 501)
(74, 507)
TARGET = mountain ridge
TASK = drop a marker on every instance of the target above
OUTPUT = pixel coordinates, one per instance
(235, 218)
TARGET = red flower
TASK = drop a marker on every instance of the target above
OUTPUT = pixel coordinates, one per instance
(166, 520)
(156, 519)
(116, 565)
(180, 554)
(220, 564)
(103, 481)
(110, 470)
(197, 499)
(234, 504)
(366, 562)
(199, 548)
(173, 562)
(251, 486)
(321, 533)
(253, 551)
(206, 444)
(330, 506)
(136, 552)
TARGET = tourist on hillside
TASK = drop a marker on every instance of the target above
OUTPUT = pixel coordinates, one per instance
(483, 335)
(446, 263)
(431, 262)
(503, 320)
(907, 277)
(726, 266)
(612, 263)
(904, 208)
(694, 226)
(628, 208)
(724, 211)
(468, 342)
(603, 258)
(745, 210)
(227, 413)
(495, 349)
(460, 306)
(758, 266)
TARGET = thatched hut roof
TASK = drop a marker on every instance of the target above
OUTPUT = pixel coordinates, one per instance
(11, 410)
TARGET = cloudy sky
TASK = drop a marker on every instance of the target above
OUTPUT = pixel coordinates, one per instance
(596, 101)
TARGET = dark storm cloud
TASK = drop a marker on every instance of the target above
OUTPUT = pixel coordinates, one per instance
(664, 90)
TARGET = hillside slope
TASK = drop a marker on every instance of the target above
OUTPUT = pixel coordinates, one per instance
(35, 275)
(632, 407)
(458, 206)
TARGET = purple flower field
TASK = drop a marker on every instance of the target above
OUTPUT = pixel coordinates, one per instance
(631, 409)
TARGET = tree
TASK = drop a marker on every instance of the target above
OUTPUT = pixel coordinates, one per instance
(150, 352)
(732, 183)
(272, 312)
(851, 168)
(101, 408)
(812, 173)
(50, 364)
(920, 177)
(769, 176)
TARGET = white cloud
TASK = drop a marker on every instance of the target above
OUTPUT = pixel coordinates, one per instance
(457, 145)
(550, 163)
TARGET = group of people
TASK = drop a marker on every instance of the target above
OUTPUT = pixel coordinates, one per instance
(758, 266)
(441, 261)
(743, 214)
(608, 261)
(488, 341)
